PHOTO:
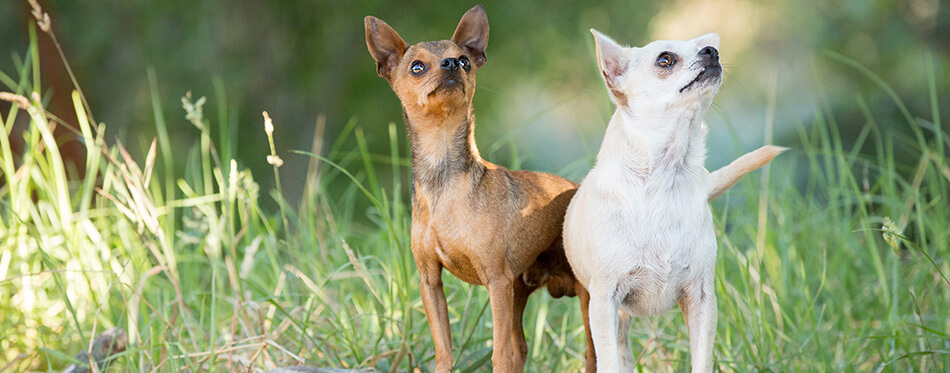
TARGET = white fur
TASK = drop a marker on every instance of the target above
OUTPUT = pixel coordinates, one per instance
(639, 232)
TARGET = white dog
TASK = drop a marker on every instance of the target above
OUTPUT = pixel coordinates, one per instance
(639, 232)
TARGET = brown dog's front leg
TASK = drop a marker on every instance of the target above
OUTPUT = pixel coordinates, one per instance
(433, 300)
(501, 297)
(520, 347)
(589, 355)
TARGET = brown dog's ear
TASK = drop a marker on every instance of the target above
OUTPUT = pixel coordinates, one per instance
(384, 44)
(611, 58)
(472, 34)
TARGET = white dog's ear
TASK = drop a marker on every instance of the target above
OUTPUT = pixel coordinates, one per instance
(709, 40)
(611, 59)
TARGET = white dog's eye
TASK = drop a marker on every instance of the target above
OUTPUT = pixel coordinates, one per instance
(665, 60)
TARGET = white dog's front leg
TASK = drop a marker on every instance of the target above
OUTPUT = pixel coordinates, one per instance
(623, 342)
(603, 329)
(699, 310)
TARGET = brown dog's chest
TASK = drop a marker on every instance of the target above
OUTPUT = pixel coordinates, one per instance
(459, 259)
(455, 239)
(454, 245)
(496, 228)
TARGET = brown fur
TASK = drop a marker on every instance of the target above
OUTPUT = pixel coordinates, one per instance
(485, 224)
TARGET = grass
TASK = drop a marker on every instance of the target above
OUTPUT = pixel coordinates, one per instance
(833, 261)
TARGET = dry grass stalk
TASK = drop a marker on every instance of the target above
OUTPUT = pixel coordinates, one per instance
(360, 270)
(42, 18)
(14, 98)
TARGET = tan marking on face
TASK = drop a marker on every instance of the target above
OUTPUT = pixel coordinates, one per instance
(420, 94)
(621, 97)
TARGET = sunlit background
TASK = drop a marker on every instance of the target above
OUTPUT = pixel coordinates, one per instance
(540, 102)
(539, 92)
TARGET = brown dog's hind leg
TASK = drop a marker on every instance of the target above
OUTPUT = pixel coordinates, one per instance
(433, 300)
(520, 301)
(589, 355)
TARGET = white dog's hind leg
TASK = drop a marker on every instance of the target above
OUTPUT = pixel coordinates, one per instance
(699, 310)
(623, 342)
(603, 328)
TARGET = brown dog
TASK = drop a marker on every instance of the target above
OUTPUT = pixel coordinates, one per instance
(485, 224)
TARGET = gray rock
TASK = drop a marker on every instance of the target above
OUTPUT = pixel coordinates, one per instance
(306, 369)
(109, 343)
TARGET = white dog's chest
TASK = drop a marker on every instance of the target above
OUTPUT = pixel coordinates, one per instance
(669, 249)
(650, 241)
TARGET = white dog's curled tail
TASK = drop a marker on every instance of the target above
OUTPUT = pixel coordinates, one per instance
(727, 177)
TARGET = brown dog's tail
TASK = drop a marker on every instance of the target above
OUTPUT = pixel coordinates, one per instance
(727, 177)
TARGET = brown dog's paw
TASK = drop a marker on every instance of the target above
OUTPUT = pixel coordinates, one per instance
(561, 286)
(534, 277)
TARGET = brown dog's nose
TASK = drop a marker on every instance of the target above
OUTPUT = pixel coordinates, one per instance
(451, 64)
(709, 52)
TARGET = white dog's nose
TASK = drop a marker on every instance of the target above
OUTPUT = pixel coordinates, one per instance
(710, 52)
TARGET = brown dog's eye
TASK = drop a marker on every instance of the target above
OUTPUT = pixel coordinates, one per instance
(417, 68)
(665, 60)
(466, 64)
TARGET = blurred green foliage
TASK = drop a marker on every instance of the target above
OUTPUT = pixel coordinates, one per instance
(812, 287)
(298, 59)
